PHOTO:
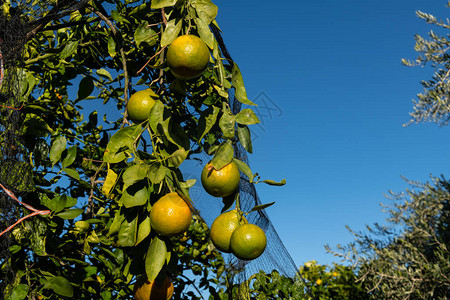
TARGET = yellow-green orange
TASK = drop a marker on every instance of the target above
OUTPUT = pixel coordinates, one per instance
(146, 290)
(140, 104)
(170, 215)
(220, 183)
(222, 228)
(187, 57)
(248, 242)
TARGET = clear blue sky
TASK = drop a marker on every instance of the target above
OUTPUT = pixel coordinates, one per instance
(338, 96)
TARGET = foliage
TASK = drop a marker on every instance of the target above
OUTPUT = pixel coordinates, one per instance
(88, 163)
(313, 281)
(433, 103)
(409, 258)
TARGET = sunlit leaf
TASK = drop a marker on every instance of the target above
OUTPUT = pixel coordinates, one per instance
(247, 117)
(68, 50)
(135, 195)
(272, 182)
(238, 83)
(244, 168)
(245, 138)
(178, 157)
(223, 156)
(262, 206)
(205, 33)
(110, 180)
(207, 120)
(144, 230)
(156, 4)
(20, 292)
(155, 258)
(122, 140)
(104, 73)
(72, 173)
(134, 173)
(206, 10)
(70, 213)
(171, 32)
(70, 157)
(227, 124)
(128, 231)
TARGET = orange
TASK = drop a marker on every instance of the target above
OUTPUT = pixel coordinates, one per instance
(222, 228)
(187, 57)
(220, 183)
(170, 215)
(248, 242)
(146, 290)
(140, 104)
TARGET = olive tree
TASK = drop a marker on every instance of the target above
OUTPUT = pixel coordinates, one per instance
(409, 257)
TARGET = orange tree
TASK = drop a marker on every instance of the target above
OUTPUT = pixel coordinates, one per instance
(98, 172)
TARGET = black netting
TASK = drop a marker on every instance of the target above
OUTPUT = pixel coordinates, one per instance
(12, 39)
(15, 169)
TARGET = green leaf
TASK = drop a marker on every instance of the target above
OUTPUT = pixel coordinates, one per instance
(238, 83)
(223, 156)
(133, 174)
(157, 173)
(144, 230)
(70, 157)
(60, 285)
(178, 157)
(206, 10)
(188, 183)
(85, 88)
(72, 173)
(20, 292)
(262, 206)
(128, 230)
(135, 195)
(110, 181)
(145, 34)
(156, 4)
(171, 32)
(207, 120)
(122, 140)
(59, 145)
(155, 258)
(117, 16)
(112, 46)
(104, 73)
(56, 204)
(271, 182)
(247, 117)
(245, 138)
(244, 168)
(70, 213)
(68, 50)
(205, 33)
(116, 223)
(227, 123)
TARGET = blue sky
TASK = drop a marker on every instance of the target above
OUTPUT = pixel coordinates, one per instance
(333, 99)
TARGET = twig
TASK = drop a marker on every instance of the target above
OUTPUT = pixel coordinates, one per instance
(140, 70)
(34, 213)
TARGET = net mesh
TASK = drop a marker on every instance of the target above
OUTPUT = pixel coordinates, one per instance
(12, 39)
(14, 168)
